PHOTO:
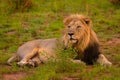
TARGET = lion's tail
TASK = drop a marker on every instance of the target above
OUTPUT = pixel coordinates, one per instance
(13, 58)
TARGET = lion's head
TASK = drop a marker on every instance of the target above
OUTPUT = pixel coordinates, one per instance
(77, 30)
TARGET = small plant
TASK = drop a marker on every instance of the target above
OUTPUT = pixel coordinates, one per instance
(19, 5)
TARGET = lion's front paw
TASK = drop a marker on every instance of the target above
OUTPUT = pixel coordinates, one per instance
(78, 61)
(102, 60)
(108, 63)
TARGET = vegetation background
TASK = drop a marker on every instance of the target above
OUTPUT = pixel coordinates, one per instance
(24, 20)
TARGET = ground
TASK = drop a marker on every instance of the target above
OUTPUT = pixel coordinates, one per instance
(44, 20)
(14, 76)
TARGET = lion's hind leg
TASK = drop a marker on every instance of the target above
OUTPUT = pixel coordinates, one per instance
(26, 58)
(34, 62)
(103, 60)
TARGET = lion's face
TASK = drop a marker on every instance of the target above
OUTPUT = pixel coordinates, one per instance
(74, 30)
(76, 26)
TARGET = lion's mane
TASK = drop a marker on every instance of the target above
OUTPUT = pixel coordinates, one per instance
(87, 45)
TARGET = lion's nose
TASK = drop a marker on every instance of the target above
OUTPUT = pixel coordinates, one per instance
(70, 33)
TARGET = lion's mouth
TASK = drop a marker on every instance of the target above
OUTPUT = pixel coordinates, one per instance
(73, 40)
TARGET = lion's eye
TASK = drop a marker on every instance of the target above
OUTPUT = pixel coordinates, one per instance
(78, 26)
(68, 26)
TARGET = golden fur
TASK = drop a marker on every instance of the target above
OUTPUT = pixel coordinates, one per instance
(86, 35)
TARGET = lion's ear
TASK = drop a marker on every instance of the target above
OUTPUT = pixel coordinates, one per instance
(87, 21)
(66, 21)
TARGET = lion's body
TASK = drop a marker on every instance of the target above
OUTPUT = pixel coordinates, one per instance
(78, 34)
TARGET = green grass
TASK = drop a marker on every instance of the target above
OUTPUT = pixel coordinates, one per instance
(45, 20)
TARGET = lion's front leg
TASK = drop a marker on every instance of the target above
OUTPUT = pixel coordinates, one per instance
(103, 60)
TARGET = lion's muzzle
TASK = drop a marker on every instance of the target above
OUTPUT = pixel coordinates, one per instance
(71, 37)
(71, 34)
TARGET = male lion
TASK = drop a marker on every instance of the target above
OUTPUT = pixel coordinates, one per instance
(78, 34)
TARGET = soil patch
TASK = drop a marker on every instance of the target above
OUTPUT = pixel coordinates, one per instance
(114, 41)
(14, 76)
(70, 78)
